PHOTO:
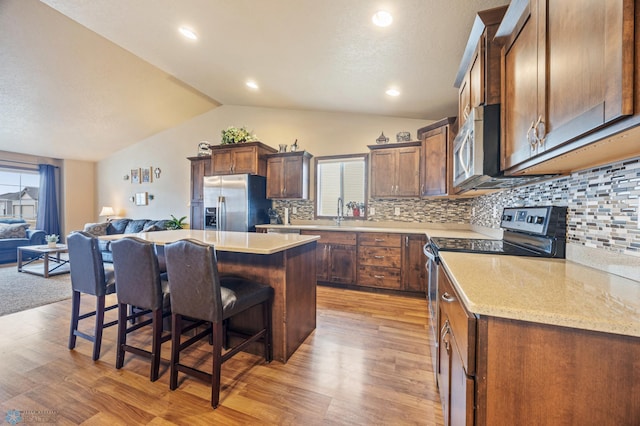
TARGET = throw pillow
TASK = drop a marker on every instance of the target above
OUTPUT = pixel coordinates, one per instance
(96, 229)
(152, 228)
(15, 230)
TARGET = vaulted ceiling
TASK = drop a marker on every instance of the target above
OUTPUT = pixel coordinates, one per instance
(82, 79)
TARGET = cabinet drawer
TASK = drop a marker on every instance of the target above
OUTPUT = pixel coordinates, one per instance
(374, 276)
(380, 256)
(333, 237)
(463, 324)
(380, 239)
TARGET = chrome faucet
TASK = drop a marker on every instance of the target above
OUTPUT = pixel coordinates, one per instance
(340, 211)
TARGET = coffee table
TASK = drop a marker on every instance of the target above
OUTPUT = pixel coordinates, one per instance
(47, 254)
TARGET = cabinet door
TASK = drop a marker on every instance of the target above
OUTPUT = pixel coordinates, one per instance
(323, 262)
(414, 274)
(222, 161)
(461, 388)
(343, 264)
(199, 168)
(476, 76)
(245, 160)
(275, 175)
(590, 67)
(383, 169)
(292, 177)
(464, 100)
(435, 170)
(520, 95)
(408, 172)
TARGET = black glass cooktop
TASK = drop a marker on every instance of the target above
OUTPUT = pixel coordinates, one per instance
(471, 245)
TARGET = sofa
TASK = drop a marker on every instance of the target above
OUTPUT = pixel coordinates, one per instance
(15, 233)
(122, 226)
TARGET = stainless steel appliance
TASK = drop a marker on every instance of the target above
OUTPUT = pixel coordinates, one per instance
(476, 154)
(235, 202)
(527, 231)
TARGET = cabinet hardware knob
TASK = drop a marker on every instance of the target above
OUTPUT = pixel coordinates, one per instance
(378, 257)
(378, 276)
(379, 240)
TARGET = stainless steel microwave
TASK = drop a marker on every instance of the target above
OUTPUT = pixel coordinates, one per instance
(476, 154)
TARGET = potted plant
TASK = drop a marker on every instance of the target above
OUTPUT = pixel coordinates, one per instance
(233, 135)
(175, 223)
(355, 207)
(52, 240)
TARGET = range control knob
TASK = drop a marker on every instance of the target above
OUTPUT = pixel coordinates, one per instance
(507, 217)
(539, 220)
(530, 219)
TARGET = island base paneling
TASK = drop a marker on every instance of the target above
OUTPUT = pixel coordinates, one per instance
(292, 274)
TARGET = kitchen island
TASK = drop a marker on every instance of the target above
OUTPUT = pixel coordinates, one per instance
(286, 262)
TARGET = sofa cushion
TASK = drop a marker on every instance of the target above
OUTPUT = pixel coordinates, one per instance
(14, 230)
(118, 226)
(12, 221)
(96, 229)
(135, 226)
(151, 228)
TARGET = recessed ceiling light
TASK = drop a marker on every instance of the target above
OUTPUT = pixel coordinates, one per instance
(382, 18)
(392, 92)
(252, 84)
(188, 33)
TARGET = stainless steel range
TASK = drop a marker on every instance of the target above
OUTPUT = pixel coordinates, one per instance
(527, 231)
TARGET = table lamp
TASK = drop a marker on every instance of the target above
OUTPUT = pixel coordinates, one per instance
(107, 211)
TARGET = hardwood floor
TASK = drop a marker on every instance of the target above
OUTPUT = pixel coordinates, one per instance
(366, 363)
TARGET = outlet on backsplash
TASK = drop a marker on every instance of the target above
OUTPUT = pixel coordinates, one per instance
(396, 211)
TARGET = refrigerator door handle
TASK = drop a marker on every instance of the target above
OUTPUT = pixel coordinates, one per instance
(222, 214)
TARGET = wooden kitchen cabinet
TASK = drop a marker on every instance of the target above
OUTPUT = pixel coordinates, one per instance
(506, 371)
(288, 175)
(437, 161)
(414, 274)
(380, 260)
(335, 256)
(395, 170)
(456, 355)
(200, 167)
(567, 71)
(478, 79)
(249, 157)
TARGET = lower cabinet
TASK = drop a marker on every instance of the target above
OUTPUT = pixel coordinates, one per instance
(335, 256)
(499, 371)
(371, 259)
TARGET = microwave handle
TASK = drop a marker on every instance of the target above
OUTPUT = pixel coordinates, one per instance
(465, 166)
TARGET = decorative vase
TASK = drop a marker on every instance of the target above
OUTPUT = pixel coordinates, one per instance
(52, 244)
(356, 211)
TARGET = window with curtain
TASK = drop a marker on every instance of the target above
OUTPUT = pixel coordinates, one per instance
(19, 190)
(341, 177)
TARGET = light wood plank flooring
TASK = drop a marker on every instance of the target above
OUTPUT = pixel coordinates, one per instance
(367, 363)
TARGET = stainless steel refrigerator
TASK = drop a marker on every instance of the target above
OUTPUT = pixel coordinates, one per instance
(235, 202)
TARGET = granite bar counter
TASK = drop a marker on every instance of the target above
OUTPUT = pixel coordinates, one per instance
(286, 262)
(547, 291)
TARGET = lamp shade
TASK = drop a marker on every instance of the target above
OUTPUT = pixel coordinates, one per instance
(107, 211)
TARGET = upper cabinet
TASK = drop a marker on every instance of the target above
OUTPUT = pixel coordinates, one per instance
(437, 138)
(288, 175)
(249, 157)
(200, 167)
(478, 78)
(568, 69)
(395, 170)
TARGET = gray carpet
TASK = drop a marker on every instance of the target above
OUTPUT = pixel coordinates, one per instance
(20, 291)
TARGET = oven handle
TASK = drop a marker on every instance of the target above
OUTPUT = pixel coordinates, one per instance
(427, 252)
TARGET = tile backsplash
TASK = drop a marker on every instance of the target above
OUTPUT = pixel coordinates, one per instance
(603, 206)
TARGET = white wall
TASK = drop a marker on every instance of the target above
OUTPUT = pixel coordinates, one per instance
(320, 133)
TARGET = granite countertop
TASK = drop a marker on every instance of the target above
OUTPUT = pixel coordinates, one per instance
(549, 291)
(430, 229)
(239, 242)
